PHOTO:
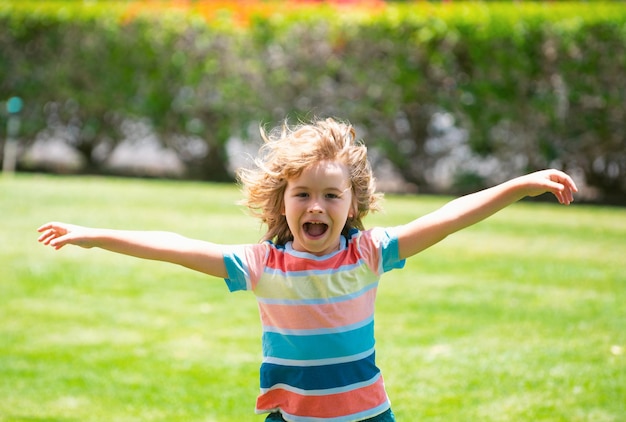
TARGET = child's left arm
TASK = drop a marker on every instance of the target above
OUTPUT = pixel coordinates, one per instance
(470, 209)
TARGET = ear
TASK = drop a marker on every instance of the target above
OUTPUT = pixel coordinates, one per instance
(354, 209)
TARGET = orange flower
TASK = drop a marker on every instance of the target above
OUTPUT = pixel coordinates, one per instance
(241, 12)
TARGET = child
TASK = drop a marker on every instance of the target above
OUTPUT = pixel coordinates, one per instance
(316, 273)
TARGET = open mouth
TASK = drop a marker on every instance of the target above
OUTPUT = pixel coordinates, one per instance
(315, 229)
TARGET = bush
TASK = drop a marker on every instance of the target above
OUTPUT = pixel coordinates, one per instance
(83, 77)
(473, 93)
(523, 87)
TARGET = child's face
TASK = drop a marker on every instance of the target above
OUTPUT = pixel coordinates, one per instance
(317, 206)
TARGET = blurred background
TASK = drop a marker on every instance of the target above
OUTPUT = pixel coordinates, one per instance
(450, 96)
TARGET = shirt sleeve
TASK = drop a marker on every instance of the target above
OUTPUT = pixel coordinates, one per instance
(381, 245)
(244, 264)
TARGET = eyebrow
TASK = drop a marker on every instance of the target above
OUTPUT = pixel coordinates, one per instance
(330, 188)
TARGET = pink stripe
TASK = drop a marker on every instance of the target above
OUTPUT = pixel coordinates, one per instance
(307, 317)
(325, 406)
(287, 263)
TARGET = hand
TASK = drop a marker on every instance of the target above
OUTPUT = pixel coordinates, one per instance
(58, 235)
(557, 182)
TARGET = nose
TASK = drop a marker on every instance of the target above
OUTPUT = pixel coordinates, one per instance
(315, 207)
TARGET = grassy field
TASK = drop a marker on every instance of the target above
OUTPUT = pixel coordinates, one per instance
(519, 318)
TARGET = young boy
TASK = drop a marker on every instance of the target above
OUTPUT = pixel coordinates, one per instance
(316, 272)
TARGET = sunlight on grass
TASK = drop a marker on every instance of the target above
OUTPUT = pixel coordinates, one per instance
(520, 317)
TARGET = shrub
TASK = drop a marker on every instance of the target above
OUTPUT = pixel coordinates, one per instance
(472, 92)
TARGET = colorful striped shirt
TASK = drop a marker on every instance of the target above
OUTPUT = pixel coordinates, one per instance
(317, 315)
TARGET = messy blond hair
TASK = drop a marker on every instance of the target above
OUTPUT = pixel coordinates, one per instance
(286, 152)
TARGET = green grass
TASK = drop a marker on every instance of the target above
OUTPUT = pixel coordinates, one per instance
(519, 318)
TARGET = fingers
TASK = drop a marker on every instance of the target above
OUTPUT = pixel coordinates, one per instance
(564, 198)
(563, 186)
(53, 226)
(51, 238)
(52, 234)
(561, 192)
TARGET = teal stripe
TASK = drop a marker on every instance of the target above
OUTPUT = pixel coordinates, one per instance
(321, 346)
(237, 271)
(390, 250)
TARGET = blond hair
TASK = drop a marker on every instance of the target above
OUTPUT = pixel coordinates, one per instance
(286, 152)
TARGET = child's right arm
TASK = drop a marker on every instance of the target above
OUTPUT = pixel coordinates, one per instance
(197, 255)
(470, 209)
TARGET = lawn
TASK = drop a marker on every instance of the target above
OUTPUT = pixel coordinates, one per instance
(519, 318)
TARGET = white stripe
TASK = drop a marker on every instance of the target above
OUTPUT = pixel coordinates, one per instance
(367, 414)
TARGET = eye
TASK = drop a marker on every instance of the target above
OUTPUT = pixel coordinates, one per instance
(332, 196)
(301, 195)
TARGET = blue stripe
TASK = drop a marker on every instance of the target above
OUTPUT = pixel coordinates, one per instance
(289, 250)
(390, 250)
(237, 271)
(320, 377)
(321, 346)
(318, 362)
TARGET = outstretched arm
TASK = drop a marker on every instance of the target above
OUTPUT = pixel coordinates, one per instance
(161, 246)
(470, 209)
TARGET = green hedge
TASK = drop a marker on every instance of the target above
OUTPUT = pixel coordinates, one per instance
(476, 92)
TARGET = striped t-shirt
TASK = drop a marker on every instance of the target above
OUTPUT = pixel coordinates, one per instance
(317, 314)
